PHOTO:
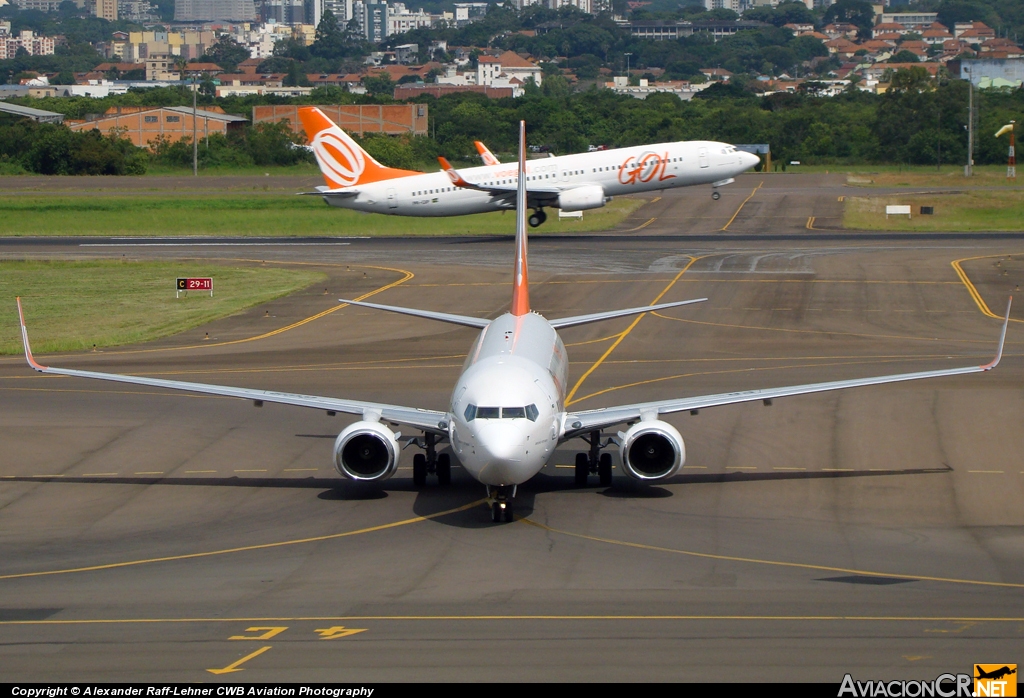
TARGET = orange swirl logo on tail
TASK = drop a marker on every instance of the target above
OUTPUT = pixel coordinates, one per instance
(340, 160)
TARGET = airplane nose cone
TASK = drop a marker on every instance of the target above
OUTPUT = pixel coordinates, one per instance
(749, 160)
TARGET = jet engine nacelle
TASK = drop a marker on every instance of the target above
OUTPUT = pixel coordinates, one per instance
(582, 198)
(652, 450)
(366, 451)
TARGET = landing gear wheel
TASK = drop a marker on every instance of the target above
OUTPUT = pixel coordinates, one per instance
(715, 195)
(419, 470)
(495, 512)
(604, 470)
(582, 469)
(444, 469)
(537, 218)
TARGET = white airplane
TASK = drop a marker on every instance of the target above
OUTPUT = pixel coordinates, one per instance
(507, 412)
(569, 182)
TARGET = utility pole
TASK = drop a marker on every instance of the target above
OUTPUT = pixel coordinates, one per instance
(627, 55)
(195, 139)
(969, 168)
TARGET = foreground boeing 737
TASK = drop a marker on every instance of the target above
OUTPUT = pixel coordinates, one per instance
(507, 412)
(567, 182)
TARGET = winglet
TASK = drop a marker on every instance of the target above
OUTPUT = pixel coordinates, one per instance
(1002, 340)
(521, 282)
(24, 340)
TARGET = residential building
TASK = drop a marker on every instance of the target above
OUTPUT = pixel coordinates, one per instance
(986, 72)
(414, 90)
(495, 70)
(213, 10)
(914, 21)
(32, 43)
(145, 125)
(683, 89)
(400, 20)
(161, 66)
(104, 9)
(41, 5)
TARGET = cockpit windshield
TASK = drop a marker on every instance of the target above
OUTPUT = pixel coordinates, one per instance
(529, 412)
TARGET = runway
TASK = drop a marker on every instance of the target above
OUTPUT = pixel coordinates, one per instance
(152, 536)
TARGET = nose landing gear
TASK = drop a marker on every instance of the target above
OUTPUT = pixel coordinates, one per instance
(715, 195)
(431, 463)
(594, 462)
(501, 502)
(537, 218)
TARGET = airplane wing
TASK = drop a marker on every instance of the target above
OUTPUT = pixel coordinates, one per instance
(535, 196)
(577, 423)
(426, 420)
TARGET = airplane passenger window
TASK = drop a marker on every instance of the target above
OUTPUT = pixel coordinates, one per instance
(488, 412)
(513, 412)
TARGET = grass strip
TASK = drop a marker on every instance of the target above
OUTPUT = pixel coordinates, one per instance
(264, 215)
(970, 211)
(71, 306)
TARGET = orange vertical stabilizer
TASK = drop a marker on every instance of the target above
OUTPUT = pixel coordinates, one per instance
(342, 161)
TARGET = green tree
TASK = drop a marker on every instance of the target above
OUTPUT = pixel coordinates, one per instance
(857, 12)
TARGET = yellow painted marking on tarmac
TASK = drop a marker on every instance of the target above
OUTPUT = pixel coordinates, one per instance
(914, 657)
(951, 631)
(251, 471)
(780, 468)
(773, 563)
(338, 631)
(810, 223)
(630, 617)
(248, 548)
(265, 632)
(188, 472)
(827, 332)
(837, 470)
(654, 200)
(641, 226)
(975, 296)
(569, 398)
(726, 226)
(565, 466)
(741, 467)
(992, 472)
(233, 667)
(151, 472)
(301, 470)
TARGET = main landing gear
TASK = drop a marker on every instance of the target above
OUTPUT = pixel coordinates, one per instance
(537, 218)
(501, 502)
(431, 463)
(594, 461)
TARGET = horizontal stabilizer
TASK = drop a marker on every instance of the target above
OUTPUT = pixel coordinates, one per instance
(597, 317)
(464, 320)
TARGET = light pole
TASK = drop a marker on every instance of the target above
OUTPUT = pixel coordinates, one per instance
(195, 139)
(627, 55)
(969, 168)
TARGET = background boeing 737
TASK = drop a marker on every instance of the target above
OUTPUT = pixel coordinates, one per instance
(568, 182)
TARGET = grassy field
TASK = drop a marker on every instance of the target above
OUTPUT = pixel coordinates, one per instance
(961, 212)
(264, 215)
(74, 305)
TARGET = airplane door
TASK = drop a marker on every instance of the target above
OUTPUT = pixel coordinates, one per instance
(702, 157)
(564, 174)
(392, 199)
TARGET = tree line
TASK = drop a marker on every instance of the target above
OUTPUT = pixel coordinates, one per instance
(917, 121)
